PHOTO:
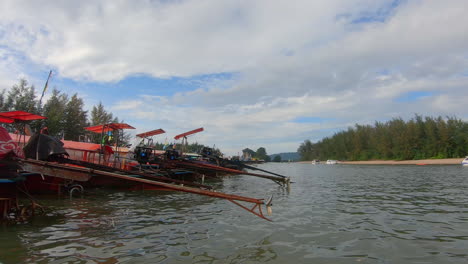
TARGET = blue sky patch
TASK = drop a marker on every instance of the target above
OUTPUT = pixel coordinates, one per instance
(311, 119)
(383, 72)
(130, 87)
(413, 96)
(379, 15)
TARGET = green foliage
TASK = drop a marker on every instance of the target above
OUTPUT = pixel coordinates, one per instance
(65, 116)
(54, 110)
(75, 119)
(261, 154)
(418, 138)
(20, 97)
(277, 158)
(307, 151)
(100, 116)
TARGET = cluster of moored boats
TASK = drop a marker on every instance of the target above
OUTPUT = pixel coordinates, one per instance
(39, 163)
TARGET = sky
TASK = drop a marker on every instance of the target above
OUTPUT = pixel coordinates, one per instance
(252, 73)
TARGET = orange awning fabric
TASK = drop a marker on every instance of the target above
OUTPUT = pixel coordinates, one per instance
(188, 133)
(109, 127)
(84, 146)
(13, 116)
(151, 133)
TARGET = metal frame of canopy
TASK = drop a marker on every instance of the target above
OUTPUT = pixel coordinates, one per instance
(143, 151)
(185, 135)
(146, 135)
(107, 128)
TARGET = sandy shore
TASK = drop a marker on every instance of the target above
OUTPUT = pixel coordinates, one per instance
(402, 162)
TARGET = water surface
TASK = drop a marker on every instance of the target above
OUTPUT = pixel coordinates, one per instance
(333, 214)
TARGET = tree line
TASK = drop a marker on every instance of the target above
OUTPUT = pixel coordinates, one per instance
(418, 138)
(66, 117)
(260, 154)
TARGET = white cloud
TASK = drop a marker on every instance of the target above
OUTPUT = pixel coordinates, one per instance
(127, 105)
(290, 59)
(109, 40)
(10, 71)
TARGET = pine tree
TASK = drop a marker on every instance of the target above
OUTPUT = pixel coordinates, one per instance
(99, 116)
(75, 119)
(21, 97)
(55, 110)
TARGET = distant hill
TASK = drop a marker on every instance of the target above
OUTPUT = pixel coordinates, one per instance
(292, 156)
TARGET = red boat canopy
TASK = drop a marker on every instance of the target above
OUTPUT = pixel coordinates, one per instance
(109, 127)
(151, 133)
(13, 116)
(189, 133)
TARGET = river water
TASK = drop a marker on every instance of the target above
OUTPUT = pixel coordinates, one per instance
(332, 214)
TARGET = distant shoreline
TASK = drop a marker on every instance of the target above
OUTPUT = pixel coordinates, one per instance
(456, 161)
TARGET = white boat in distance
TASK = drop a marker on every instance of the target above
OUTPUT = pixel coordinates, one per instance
(465, 161)
(331, 162)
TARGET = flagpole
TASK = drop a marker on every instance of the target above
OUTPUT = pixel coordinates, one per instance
(45, 87)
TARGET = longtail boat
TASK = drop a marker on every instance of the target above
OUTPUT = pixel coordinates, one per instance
(84, 174)
(176, 159)
(10, 177)
(52, 163)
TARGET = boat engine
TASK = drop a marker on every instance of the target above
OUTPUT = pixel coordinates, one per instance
(206, 151)
(142, 154)
(172, 154)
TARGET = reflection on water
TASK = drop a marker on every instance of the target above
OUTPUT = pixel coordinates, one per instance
(333, 214)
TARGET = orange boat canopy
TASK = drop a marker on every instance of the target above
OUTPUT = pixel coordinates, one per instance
(151, 133)
(14, 116)
(188, 133)
(109, 127)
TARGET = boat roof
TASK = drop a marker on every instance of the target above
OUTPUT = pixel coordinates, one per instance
(108, 127)
(151, 133)
(85, 146)
(188, 133)
(71, 145)
(14, 116)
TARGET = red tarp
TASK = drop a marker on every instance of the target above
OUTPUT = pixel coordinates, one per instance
(12, 116)
(109, 127)
(67, 144)
(6, 120)
(189, 133)
(151, 133)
